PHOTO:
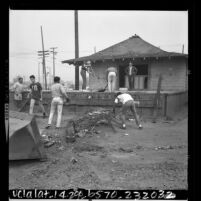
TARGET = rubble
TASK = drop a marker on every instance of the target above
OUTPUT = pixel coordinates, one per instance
(61, 148)
(127, 150)
(73, 160)
(86, 125)
(164, 147)
(49, 144)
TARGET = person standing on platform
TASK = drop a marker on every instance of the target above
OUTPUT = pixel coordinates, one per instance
(111, 76)
(58, 95)
(35, 95)
(84, 78)
(131, 71)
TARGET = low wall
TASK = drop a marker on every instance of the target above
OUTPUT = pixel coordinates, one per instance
(86, 101)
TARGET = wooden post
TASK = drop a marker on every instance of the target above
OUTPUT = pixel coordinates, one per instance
(76, 51)
(157, 100)
(44, 68)
(53, 56)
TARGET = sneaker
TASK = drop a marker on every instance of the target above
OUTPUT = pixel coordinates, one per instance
(140, 126)
(124, 126)
(48, 126)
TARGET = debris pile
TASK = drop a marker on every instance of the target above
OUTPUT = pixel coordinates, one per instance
(87, 124)
(50, 140)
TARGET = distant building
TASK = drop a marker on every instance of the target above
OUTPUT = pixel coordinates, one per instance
(149, 60)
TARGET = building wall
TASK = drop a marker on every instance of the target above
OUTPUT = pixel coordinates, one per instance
(97, 80)
(173, 72)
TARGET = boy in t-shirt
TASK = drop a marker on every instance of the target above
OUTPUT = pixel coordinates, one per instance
(36, 95)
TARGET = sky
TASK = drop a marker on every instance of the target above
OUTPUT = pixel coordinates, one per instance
(97, 30)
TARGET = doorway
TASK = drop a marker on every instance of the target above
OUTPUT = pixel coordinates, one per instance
(122, 76)
(141, 78)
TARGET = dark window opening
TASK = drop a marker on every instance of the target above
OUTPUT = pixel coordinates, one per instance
(141, 78)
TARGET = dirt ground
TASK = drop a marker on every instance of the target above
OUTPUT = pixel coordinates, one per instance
(152, 158)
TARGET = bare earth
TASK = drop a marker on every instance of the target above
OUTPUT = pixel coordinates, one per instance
(152, 158)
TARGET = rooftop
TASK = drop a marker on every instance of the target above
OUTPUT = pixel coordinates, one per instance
(133, 47)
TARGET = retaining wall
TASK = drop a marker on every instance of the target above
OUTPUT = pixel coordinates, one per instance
(85, 101)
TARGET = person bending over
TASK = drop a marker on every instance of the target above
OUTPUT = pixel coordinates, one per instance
(127, 103)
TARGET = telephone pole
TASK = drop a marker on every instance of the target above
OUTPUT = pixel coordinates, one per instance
(39, 71)
(183, 49)
(42, 55)
(43, 51)
(76, 51)
(53, 54)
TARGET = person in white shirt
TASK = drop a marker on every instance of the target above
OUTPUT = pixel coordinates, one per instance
(18, 89)
(127, 103)
(58, 94)
(111, 75)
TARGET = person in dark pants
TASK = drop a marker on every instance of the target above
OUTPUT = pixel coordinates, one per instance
(84, 78)
(131, 71)
(36, 95)
(127, 104)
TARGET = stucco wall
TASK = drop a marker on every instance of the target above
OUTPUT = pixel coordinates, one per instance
(99, 80)
(173, 72)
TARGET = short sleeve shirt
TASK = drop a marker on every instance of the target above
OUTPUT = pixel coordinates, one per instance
(123, 98)
(36, 89)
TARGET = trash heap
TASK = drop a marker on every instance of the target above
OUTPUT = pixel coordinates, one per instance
(87, 124)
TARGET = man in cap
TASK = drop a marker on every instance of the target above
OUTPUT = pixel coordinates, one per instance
(127, 103)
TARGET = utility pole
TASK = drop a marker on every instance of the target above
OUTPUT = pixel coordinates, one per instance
(40, 54)
(39, 71)
(182, 48)
(53, 54)
(76, 51)
(43, 51)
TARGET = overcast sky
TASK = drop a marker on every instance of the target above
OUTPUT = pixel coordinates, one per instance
(100, 29)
